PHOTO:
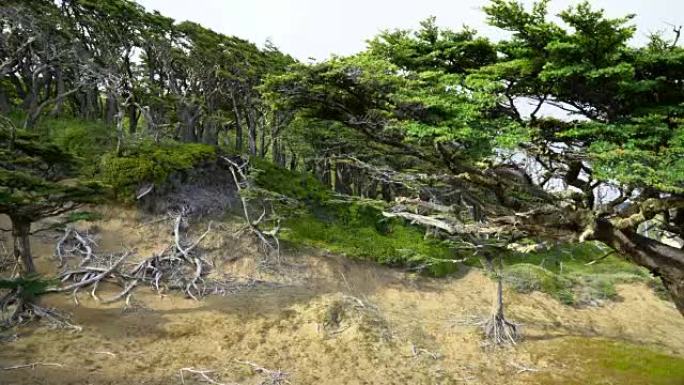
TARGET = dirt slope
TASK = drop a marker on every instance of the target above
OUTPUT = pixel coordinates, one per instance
(327, 320)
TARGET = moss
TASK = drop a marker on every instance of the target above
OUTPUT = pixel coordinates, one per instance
(526, 278)
(150, 162)
(564, 273)
(394, 243)
(353, 228)
(605, 361)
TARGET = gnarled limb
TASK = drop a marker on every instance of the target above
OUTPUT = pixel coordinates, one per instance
(662, 260)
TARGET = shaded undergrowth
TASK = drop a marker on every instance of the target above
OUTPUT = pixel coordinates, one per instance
(353, 227)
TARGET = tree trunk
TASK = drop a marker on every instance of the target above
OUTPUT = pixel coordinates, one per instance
(111, 110)
(499, 312)
(498, 329)
(293, 161)
(210, 133)
(133, 117)
(663, 261)
(252, 132)
(187, 115)
(4, 101)
(21, 229)
(276, 156)
(59, 103)
(262, 149)
(238, 124)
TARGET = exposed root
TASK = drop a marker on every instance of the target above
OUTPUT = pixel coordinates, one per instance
(417, 352)
(500, 331)
(73, 243)
(92, 272)
(21, 310)
(87, 276)
(178, 267)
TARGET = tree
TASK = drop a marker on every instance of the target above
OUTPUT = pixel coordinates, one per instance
(622, 161)
(523, 178)
(36, 182)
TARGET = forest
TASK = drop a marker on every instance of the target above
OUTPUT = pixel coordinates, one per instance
(160, 181)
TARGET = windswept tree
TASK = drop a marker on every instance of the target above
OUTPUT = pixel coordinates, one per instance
(611, 170)
(37, 181)
(618, 157)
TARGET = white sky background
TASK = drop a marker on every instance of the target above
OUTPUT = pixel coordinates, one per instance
(319, 28)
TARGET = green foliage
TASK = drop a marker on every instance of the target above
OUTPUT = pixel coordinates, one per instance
(149, 162)
(87, 216)
(360, 232)
(28, 287)
(297, 185)
(87, 139)
(36, 178)
(632, 132)
(83, 139)
(432, 48)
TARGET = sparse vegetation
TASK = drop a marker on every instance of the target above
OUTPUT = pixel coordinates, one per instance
(580, 275)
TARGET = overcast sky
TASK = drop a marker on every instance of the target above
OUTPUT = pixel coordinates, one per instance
(319, 28)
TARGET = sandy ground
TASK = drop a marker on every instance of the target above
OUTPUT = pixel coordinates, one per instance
(324, 319)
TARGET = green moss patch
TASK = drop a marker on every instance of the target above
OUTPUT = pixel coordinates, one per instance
(612, 362)
(150, 162)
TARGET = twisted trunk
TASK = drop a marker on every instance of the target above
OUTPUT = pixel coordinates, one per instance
(664, 261)
(21, 229)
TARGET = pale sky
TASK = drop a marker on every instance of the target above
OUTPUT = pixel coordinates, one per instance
(319, 28)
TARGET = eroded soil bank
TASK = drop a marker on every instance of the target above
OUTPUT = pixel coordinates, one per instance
(327, 320)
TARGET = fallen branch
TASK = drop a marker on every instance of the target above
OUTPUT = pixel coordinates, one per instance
(522, 369)
(451, 228)
(203, 373)
(32, 365)
(276, 377)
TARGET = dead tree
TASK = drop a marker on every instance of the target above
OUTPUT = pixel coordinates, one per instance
(268, 239)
